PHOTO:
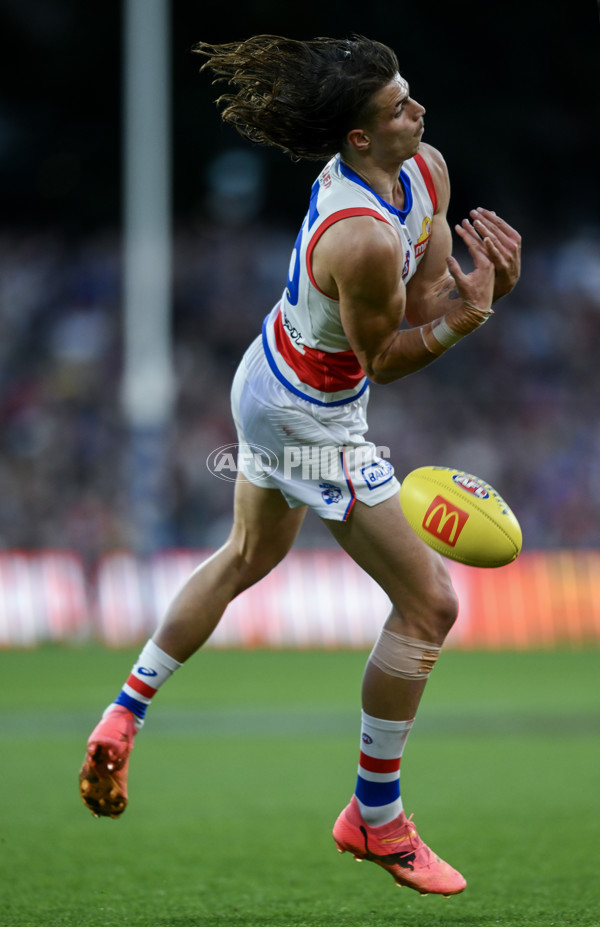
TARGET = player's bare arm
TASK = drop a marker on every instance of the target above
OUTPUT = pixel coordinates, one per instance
(433, 290)
(359, 261)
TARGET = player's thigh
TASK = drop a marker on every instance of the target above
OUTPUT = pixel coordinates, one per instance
(380, 540)
(264, 526)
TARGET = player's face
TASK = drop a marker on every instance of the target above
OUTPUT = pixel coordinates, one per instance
(396, 129)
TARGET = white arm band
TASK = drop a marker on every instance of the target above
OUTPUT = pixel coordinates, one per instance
(447, 336)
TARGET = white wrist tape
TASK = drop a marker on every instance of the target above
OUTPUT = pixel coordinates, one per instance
(447, 336)
(406, 657)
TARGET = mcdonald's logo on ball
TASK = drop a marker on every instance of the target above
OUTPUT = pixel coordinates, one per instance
(445, 520)
(460, 516)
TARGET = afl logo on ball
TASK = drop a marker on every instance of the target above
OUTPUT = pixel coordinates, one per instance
(469, 484)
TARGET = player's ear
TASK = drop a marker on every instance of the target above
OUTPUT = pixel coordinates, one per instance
(358, 139)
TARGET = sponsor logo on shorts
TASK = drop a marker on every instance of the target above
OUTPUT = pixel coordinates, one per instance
(254, 460)
(377, 473)
(331, 493)
(471, 484)
(445, 521)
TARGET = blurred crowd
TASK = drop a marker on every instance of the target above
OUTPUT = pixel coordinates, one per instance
(517, 403)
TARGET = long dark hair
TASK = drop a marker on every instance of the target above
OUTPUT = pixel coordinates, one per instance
(303, 97)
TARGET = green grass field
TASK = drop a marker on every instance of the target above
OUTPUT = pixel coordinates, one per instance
(246, 760)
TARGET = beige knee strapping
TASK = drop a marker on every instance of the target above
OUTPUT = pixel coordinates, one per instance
(402, 656)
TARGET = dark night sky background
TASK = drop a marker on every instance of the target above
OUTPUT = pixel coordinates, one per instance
(512, 91)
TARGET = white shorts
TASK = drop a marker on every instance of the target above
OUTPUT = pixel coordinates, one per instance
(315, 455)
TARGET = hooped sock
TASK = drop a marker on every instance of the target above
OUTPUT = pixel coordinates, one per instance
(378, 782)
(148, 674)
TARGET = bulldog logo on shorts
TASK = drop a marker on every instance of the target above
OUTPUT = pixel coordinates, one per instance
(330, 492)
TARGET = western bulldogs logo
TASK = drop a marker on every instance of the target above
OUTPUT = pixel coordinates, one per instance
(330, 492)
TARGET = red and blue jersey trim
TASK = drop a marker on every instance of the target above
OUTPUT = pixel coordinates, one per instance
(326, 371)
(321, 369)
(428, 179)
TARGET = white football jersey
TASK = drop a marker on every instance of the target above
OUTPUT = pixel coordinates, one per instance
(303, 337)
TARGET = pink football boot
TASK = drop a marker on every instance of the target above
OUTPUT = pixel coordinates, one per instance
(398, 848)
(103, 776)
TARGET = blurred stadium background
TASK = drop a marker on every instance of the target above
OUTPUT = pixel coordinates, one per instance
(100, 515)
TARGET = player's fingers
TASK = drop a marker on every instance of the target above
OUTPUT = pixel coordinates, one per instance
(487, 260)
(487, 228)
(477, 247)
(455, 269)
(475, 237)
(495, 254)
(488, 236)
(497, 223)
(468, 234)
(506, 248)
(466, 227)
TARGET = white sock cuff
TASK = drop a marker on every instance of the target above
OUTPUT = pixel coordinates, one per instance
(153, 653)
(382, 738)
(383, 724)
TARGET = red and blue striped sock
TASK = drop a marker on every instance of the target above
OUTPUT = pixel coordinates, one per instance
(151, 670)
(378, 783)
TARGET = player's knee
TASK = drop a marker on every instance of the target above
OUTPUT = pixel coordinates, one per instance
(410, 642)
(443, 607)
(436, 610)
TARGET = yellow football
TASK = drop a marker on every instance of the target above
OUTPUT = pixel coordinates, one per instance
(460, 516)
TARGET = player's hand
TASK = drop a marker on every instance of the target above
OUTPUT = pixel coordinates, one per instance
(477, 287)
(502, 244)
